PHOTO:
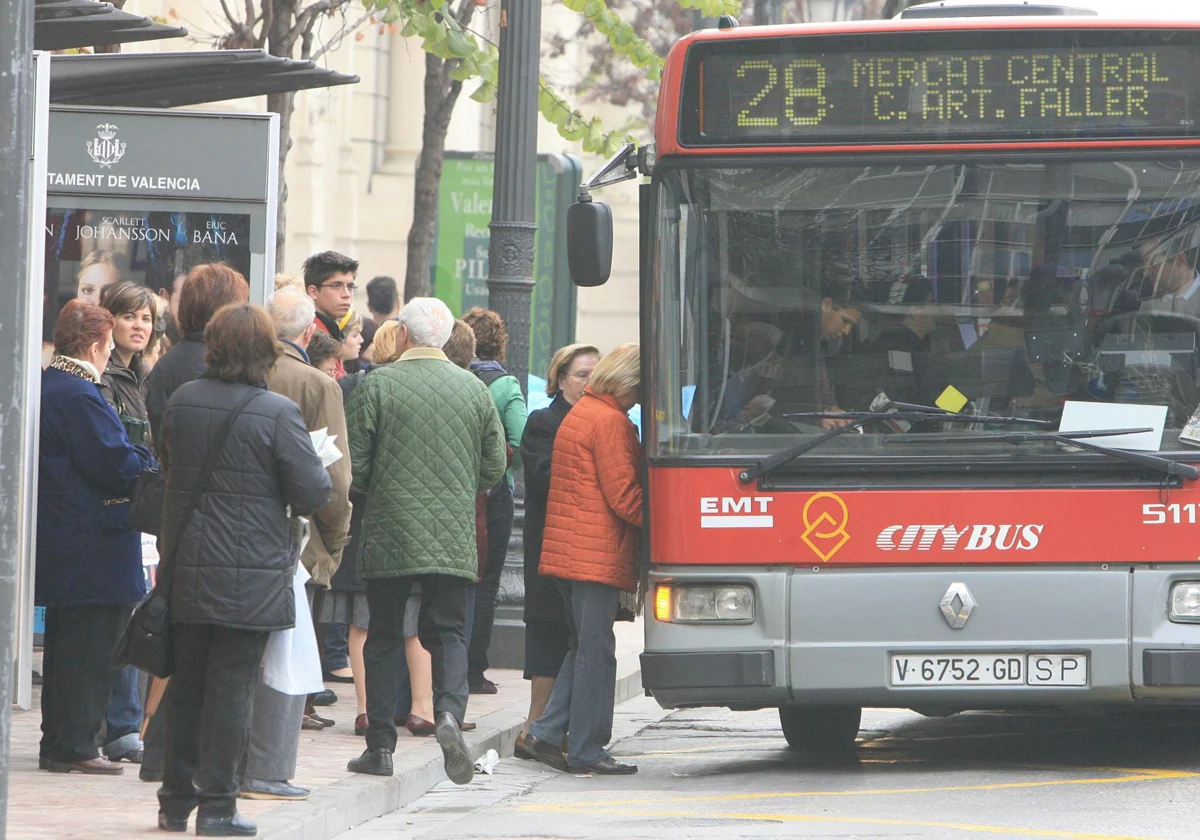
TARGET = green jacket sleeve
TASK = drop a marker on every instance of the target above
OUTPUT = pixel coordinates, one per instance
(362, 427)
(513, 416)
(494, 452)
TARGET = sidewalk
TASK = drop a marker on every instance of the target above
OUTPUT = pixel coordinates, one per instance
(50, 806)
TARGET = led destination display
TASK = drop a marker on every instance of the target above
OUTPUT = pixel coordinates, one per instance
(1033, 93)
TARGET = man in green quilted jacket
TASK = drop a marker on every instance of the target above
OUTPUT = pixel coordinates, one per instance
(425, 440)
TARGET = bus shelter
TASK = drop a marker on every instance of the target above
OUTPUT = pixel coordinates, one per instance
(124, 186)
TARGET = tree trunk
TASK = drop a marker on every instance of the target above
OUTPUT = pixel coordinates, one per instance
(441, 93)
(282, 104)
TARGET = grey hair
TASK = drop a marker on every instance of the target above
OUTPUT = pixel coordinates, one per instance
(291, 310)
(429, 322)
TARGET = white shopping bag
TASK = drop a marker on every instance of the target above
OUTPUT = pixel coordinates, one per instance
(292, 663)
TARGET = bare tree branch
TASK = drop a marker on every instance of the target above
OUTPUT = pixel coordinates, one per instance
(233, 22)
(336, 41)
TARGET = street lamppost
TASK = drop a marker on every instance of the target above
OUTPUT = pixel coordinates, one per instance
(16, 138)
(510, 264)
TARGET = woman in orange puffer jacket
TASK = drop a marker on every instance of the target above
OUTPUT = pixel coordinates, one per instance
(593, 520)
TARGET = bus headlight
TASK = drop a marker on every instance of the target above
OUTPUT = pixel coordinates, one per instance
(723, 603)
(1185, 601)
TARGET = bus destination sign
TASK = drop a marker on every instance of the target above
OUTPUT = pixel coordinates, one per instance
(867, 96)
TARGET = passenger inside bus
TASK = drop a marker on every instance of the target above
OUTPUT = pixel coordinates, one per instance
(789, 369)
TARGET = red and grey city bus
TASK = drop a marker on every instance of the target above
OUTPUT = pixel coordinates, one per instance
(921, 339)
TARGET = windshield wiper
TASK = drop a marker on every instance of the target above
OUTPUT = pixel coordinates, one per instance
(1154, 462)
(859, 419)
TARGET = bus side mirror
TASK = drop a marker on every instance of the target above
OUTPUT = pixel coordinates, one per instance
(589, 242)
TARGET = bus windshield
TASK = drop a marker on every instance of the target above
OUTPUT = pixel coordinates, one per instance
(790, 293)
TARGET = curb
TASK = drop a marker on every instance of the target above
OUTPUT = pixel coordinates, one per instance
(336, 808)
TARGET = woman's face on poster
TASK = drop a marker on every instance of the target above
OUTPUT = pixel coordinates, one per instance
(93, 280)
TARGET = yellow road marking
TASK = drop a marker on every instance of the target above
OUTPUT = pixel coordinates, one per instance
(822, 818)
(1129, 775)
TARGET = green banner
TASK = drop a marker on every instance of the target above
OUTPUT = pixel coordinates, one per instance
(459, 269)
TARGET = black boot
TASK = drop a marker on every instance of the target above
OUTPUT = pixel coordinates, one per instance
(372, 762)
(235, 826)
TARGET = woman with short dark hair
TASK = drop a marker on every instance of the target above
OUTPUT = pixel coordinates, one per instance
(205, 289)
(89, 564)
(123, 384)
(230, 555)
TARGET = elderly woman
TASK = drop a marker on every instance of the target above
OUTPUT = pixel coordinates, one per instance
(230, 557)
(491, 342)
(593, 518)
(546, 630)
(89, 564)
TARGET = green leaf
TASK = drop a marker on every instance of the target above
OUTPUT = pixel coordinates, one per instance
(461, 44)
(486, 92)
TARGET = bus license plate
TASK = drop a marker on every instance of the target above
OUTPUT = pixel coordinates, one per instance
(990, 669)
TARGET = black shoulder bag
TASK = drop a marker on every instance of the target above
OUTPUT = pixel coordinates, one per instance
(150, 489)
(146, 643)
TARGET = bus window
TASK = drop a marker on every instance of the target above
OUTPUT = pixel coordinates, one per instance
(1001, 288)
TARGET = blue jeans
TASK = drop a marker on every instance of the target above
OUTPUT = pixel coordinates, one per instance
(123, 720)
(582, 701)
(335, 650)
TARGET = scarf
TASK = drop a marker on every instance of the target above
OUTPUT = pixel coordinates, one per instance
(76, 367)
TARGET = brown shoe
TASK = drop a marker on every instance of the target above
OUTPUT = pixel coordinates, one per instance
(91, 767)
(311, 724)
(420, 727)
(469, 726)
(321, 719)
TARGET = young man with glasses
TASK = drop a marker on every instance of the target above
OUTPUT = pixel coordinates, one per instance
(329, 279)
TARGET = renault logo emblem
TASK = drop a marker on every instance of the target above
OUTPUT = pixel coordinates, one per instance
(957, 605)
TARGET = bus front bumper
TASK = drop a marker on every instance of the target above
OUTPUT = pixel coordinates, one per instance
(832, 636)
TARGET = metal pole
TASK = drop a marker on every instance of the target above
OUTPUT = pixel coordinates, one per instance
(510, 252)
(16, 138)
(510, 263)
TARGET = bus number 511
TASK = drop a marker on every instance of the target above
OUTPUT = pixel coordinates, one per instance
(1169, 514)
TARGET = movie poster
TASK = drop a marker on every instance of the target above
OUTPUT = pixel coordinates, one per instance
(87, 250)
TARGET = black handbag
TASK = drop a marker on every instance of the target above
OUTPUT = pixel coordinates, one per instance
(146, 502)
(150, 490)
(146, 642)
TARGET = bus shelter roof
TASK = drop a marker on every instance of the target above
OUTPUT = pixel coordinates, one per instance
(170, 80)
(74, 24)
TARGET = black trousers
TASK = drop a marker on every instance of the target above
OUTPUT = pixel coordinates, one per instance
(499, 531)
(77, 678)
(442, 630)
(208, 704)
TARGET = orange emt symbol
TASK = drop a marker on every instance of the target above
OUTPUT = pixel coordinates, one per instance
(826, 534)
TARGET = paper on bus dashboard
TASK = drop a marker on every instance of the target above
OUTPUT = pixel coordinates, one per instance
(1078, 416)
(323, 443)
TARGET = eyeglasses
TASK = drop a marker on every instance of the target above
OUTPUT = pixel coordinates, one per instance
(582, 376)
(341, 287)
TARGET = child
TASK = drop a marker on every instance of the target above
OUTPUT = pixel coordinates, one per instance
(323, 351)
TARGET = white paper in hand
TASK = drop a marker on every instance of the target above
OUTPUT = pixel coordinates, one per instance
(323, 444)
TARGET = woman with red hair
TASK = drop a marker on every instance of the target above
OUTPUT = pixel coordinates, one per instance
(89, 563)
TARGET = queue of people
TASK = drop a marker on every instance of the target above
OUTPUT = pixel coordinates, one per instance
(401, 533)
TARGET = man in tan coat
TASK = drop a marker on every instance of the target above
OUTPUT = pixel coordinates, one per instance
(275, 727)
